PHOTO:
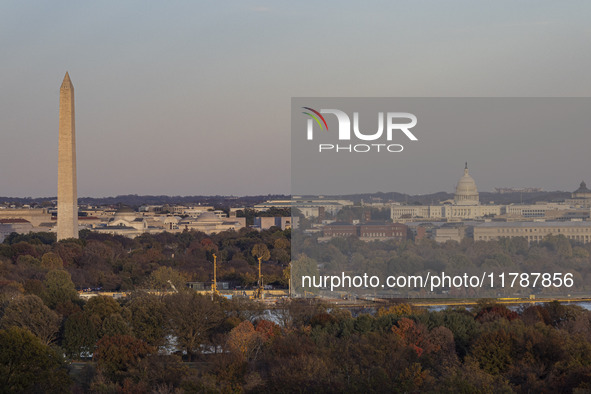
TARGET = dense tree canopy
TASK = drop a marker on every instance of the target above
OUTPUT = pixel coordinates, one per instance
(158, 339)
(27, 365)
(31, 313)
(554, 254)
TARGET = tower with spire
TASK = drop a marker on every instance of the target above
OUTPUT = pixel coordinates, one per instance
(67, 193)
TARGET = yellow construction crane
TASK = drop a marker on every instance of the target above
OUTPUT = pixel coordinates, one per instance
(258, 294)
(214, 286)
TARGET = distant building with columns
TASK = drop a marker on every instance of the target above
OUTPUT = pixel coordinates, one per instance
(466, 206)
(581, 197)
(533, 231)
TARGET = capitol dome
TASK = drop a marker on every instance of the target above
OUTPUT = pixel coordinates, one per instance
(582, 192)
(466, 191)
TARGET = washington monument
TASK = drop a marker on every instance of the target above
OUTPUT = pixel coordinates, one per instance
(67, 195)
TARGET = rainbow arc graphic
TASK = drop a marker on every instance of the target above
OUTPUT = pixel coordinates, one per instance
(317, 117)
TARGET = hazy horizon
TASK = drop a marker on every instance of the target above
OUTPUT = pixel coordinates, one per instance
(277, 194)
(193, 98)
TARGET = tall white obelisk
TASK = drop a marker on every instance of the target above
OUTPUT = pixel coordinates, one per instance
(67, 194)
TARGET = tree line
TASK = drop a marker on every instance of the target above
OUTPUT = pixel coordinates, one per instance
(117, 263)
(186, 342)
(167, 342)
(554, 254)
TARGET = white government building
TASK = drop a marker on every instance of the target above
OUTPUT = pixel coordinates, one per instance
(533, 231)
(466, 206)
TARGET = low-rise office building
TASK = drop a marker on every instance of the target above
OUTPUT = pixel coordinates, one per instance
(265, 223)
(9, 226)
(365, 232)
(533, 231)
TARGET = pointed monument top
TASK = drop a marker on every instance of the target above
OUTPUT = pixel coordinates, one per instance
(466, 169)
(67, 82)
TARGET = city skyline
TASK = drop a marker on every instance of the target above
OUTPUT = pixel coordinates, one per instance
(193, 99)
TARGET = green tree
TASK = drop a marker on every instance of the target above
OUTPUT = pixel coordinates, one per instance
(115, 325)
(28, 261)
(31, 313)
(303, 266)
(59, 288)
(34, 286)
(191, 318)
(32, 238)
(493, 351)
(118, 356)
(261, 251)
(460, 322)
(52, 261)
(8, 292)
(27, 365)
(99, 309)
(80, 336)
(164, 278)
(281, 243)
(147, 318)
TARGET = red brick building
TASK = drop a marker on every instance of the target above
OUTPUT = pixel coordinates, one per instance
(367, 231)
(340, 229)
(383, 230)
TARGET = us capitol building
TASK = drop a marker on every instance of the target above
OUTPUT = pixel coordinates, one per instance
(466, 206)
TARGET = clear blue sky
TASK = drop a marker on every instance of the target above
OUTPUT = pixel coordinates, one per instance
(193, 97)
